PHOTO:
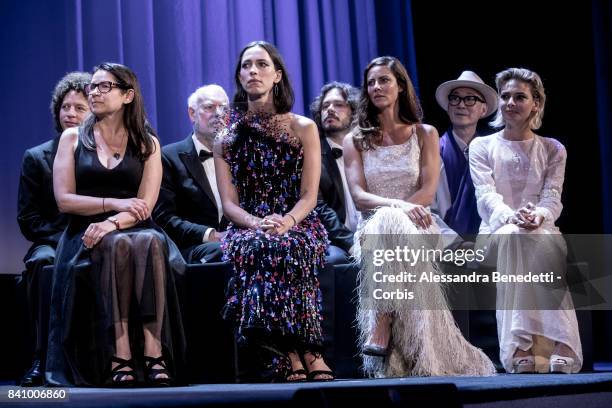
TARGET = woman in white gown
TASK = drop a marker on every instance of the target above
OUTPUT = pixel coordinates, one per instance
(392, 166)
(518, 177)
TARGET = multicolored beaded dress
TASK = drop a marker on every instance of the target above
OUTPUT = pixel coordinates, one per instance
(274, 293)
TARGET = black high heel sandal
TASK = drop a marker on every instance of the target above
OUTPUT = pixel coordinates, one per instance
(312, 375)
(297, 373)
(152, 373)
(117, 374)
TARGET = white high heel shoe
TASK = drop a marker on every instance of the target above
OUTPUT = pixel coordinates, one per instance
(561, 364)
(523, 365)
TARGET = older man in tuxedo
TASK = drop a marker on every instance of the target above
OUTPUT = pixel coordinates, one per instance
(189, 206)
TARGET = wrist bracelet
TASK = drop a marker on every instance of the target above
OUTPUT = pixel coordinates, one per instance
(114, 221)
(293, 218)
(103, 208)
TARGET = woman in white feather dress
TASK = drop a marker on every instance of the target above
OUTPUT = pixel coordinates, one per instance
(392, 167)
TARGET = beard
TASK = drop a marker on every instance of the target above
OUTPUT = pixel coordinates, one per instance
(333, 127)
(209, 132)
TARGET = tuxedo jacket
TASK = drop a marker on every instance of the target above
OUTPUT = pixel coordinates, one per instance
(186, 206)
(330, 201)
(37, 215)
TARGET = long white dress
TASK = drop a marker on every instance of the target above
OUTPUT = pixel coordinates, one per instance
(507, 175)
(425, 339)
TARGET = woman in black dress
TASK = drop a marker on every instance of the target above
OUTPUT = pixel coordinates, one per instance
(114, 299)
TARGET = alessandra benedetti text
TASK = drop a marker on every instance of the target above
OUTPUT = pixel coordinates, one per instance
(433, 277)
(473, 277)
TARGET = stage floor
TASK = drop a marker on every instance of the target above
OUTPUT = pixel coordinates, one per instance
(502, 390)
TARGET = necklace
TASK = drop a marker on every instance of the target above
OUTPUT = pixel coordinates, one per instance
(115, 152)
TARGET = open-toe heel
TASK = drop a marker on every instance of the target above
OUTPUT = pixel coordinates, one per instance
(380, 330)
(297, 374)
(119, 373)
(151, 374)
(375, 350)
(329, 373)
(322, 374)
(523, 365)
(561, 364)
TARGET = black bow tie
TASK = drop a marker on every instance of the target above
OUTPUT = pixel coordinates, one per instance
(336, 152)
(204, 155)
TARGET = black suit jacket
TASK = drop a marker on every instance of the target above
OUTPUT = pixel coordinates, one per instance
(39, 219)
(186, 206)
(330, 201)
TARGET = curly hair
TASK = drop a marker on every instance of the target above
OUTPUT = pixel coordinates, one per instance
(348, 92)
(283, 95)
(73, 81)
(537, 90)
(369, 133)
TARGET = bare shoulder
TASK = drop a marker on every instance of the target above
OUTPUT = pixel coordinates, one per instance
(426, 131)
(300, 122)
(303, 127)
(156, 142)
(69, 138)
(349, 139)
(156, 146)
(70, 134)
(427, 135)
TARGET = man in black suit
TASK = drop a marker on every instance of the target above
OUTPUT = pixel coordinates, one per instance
(333, 111)
(38, 217)
(189, 206)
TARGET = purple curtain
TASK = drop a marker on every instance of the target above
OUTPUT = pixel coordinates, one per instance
(174, 47)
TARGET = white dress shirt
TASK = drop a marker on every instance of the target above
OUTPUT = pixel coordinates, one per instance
(352, 215)
(209, 170)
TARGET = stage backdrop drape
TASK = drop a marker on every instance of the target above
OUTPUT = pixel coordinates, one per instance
(174, 46)
(602, 40)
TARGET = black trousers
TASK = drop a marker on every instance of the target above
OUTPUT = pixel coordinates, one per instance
(38, 280)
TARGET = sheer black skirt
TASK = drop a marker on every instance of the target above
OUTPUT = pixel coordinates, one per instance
(131, 275)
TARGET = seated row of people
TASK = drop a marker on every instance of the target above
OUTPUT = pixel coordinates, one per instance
(241, 187)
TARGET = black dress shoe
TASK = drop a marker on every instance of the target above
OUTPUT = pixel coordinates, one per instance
(34, 376)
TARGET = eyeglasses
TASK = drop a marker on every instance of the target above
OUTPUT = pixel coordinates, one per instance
(104, 87)
(470, 100)
(212, 108)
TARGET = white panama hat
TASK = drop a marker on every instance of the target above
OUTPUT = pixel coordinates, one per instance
(467, 79)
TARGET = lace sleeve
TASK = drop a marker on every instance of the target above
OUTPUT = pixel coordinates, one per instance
(549, 206)
(491, 206)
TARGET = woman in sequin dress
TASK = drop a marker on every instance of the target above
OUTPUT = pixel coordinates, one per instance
(268, 166)
(518, 177)
(392, 164)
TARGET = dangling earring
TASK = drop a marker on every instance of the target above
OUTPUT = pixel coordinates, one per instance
(276, 89)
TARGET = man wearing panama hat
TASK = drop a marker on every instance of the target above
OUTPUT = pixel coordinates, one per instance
(466, 99)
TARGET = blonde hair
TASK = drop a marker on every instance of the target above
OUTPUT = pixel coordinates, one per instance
(537, 90)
